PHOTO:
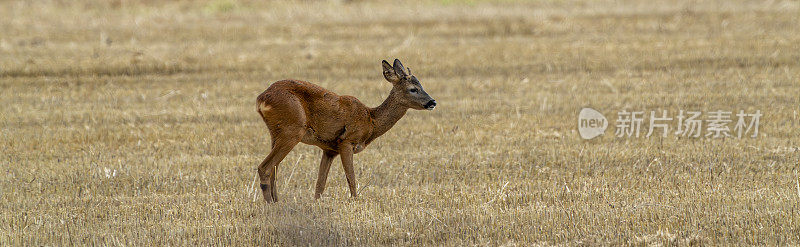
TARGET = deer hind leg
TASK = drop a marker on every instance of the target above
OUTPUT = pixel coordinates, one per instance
(286, 121)
(282, 144)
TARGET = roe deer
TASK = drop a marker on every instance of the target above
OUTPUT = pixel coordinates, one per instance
(297, 111)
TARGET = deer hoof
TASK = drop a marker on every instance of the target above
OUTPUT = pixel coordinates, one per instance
(267, 192)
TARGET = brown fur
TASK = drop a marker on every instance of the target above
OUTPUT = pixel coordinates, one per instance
(298, 111)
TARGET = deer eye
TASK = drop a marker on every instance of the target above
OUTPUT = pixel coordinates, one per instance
(413, 90)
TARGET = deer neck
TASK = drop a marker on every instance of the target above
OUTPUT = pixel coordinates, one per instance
(386, 115)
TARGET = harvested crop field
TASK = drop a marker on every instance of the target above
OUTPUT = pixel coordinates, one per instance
(134, 122)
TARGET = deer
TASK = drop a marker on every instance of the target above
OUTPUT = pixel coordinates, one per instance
(297, 111)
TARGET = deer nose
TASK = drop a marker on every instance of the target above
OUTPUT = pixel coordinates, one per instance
(430, 105)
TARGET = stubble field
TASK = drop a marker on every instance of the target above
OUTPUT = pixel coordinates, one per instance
(134, 122)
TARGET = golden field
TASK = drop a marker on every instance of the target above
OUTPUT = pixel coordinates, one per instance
(134, 122)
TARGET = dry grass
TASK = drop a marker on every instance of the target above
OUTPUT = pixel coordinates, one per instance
(133, 123)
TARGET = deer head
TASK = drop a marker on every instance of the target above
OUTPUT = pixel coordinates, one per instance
(406, 87)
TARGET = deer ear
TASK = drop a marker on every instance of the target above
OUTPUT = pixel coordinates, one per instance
(388, 73)
(399, 69)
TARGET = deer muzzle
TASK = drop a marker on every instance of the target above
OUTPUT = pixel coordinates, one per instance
(430, 105)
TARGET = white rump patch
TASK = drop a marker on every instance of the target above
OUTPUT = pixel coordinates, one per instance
(265, 107)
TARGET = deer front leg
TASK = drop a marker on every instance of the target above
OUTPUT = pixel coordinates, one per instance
(324, 167)
(346, 150)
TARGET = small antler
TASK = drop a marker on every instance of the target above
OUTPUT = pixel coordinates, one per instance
(409, 70)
